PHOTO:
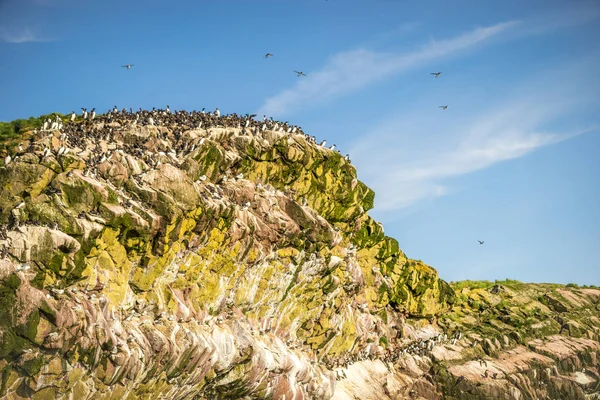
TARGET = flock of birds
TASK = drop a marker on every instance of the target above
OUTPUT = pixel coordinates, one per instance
(420, 347)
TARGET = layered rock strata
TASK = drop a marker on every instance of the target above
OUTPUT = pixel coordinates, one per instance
(176, 262)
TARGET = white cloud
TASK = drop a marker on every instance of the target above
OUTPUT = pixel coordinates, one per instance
(19, 36)
(411, 157)
(351, 70)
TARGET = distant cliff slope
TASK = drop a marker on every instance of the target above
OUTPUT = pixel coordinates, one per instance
(159, 255)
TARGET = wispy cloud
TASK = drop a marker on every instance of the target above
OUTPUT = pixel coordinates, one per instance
(413, 157)
(351, 70)
(20, 36)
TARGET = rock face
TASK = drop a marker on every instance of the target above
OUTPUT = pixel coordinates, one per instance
(179, 262)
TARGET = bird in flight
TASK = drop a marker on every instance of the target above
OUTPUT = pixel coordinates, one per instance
(443, 107)
(480, 241)
(268, 55)
(300, 73)
(437, 74)
(128, 66)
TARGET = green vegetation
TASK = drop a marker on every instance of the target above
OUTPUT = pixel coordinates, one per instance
(10, 131)
(483, 284)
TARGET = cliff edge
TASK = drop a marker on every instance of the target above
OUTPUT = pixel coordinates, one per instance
(192, 256)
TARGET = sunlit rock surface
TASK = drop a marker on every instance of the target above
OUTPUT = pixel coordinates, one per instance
(177, 262)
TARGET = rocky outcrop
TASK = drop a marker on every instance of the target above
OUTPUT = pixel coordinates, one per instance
(180, 262)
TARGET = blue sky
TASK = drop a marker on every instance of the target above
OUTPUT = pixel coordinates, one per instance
(513, 161)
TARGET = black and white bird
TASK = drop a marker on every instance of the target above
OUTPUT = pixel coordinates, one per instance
(443, 107)
(217, 112)
(480, 241)
(299, 73)
(268, 55)
(73, 115)
(128, 66)
(436, 74)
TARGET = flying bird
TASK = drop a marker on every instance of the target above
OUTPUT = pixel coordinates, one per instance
(443, 107)
(128, 66)
(480, 241)
(300, 73)
(437, 74)
(268, 55)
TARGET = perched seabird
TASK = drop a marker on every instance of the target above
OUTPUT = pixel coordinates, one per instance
(20, 205)
(202, 178)
(93, 113)
(443, 107)
(437, 74)
(239, 176)
(322, 144)
(332, 147)
(7, 160)
(299, 73)
(268, 55)
(217, 112)
(73, 115)
(84, 112)
(480, 241)
(128, 66)
(151, 121)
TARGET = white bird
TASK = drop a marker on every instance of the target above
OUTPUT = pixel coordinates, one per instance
(73, 115)
(323, 143)
(151, 121)
(168, 109)
(240, 176)
(128, 66)
(20, 205)
(23, 267)
(93, 113)
(217, 112)
(202, 178)
(85, 113)
(7, 160)
(61, 150)
(247, 123)
(332, 147)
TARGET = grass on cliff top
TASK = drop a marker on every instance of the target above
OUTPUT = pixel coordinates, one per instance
(11, 131)
(512, 283)
(484, 284)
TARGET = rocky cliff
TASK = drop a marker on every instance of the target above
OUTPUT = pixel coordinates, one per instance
(187, 256)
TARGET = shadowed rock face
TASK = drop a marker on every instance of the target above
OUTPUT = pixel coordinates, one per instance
(181, 263)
